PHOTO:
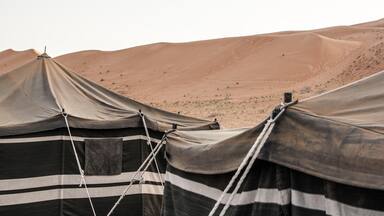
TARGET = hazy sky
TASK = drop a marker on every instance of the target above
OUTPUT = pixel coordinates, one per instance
(73, 25)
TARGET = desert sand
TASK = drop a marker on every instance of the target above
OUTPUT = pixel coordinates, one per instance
(236, 80)
(11, 59)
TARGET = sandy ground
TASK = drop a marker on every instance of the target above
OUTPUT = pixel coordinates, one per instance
(236, 80)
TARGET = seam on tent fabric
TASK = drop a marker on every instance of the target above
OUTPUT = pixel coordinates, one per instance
(50, 86)
(336, 121)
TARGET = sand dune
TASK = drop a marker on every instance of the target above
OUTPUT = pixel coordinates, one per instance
(237, 80)
(241, 67)
(11, 59)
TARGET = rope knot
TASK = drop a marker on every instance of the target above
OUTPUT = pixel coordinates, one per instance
(141, 113)
(64, 113)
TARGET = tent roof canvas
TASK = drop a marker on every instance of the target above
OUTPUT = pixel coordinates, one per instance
(34, 96)
(338, 135)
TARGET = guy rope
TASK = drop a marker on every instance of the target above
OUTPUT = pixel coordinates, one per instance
(250, 158)
(81, 171)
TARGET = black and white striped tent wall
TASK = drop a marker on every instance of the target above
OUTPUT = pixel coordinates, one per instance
(39, 175)
(269, 189)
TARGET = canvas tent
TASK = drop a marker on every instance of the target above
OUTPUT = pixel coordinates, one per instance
(324, 156)
(40, 104)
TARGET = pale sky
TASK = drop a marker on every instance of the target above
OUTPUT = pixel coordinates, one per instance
(73, 25)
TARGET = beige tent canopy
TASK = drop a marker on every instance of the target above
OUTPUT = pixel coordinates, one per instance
(34, 96)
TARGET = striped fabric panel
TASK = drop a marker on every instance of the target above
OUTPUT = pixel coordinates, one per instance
(191, 194)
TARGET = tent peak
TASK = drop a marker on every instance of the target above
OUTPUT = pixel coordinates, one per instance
(44, 55)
